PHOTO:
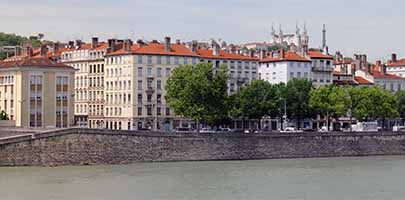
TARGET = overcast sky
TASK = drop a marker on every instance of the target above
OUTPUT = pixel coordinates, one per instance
(354, 26)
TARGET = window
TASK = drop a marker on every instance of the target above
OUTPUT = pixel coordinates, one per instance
(149, 110)
(159, 98)
(159, 60)
(139, 84)
(139, 71)
(139, 58)
(158, 111)
(291, 74)
(139, 110)
(167, 72)
(168, 60)
(167, 111)
(159, 72)
(139, 98)
(159, 84)
(176, 60)
(185, 61)
(149, 71)
(149, 98)
(194, 61)
(149, 60)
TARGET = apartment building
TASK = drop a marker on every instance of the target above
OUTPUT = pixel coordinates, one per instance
(135, 77)
(281, 67)
(322, 68)
(37, 92)
(88, 60)
(396, 67)
(242, 69)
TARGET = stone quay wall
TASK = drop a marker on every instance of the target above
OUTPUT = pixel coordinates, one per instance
(100, 147)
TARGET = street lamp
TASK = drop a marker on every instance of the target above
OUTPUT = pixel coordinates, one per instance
(284, 123)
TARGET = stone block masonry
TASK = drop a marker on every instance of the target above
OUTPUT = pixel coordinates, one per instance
(99, 147)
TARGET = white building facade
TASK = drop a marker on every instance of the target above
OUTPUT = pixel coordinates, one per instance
(284, 67)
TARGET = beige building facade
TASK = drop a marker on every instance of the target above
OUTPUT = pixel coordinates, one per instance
(37, 93)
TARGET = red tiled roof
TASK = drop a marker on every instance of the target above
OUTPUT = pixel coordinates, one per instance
(397, 64)
(362, 81)
(378, 74)
(288, 56)
(344, 61)
(318, 54)
(208, 53)
(33, 62)
(88, 46)
(156, 49)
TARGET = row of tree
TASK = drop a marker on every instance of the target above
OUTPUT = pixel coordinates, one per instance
(200, 93)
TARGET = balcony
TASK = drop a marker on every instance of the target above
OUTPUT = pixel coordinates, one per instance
(150, 90)
(322, 69)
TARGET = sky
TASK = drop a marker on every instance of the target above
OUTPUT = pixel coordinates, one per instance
(353, 26)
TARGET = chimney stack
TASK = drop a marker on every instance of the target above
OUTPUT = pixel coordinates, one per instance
(43, 51)
(281, 55)
(29, 51)
(71, 44)
(178, 41)
(111, 44)
(127, 45)
(78, 44)
(215, 49)
(94, 42)
(167, 44)
(194, 45)
(394, 57)
(55, 47)
(262, 54)
(384, 69)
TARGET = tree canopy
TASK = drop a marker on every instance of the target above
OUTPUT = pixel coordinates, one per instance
(198, 92)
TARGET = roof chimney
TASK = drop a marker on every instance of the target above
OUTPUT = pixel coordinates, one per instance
(29, 51)
(111, 44)
(44, 51)
(127, 45)
(178, 41)
(71, 44)
(281, 55)
(215, 49)
(262, 54)
(55, 47)
(394, 57)
(194, 45)
(384, 69)
(94, 42)
(78, 44)
(167, 44)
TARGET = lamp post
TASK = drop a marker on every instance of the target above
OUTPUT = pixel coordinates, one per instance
(284, 122)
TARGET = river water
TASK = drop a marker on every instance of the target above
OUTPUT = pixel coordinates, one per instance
(368, 178)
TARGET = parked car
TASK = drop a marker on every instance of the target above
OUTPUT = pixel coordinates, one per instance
(225, 130)
(290, 130)
(398, 128)
(366, 127)
(323, 129)
(183, 130)
(207, 130)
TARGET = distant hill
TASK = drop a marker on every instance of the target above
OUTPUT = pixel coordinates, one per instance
(14, 40)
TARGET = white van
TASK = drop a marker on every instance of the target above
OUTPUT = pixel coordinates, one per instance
(365, 127)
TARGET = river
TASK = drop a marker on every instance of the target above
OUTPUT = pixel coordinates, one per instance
(366, 178)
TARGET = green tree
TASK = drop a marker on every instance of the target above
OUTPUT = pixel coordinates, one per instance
(400, 95)
(376, 103)
(198, 92)
(296, 93)
(329, 101)
(3, 115)
(256, 100)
